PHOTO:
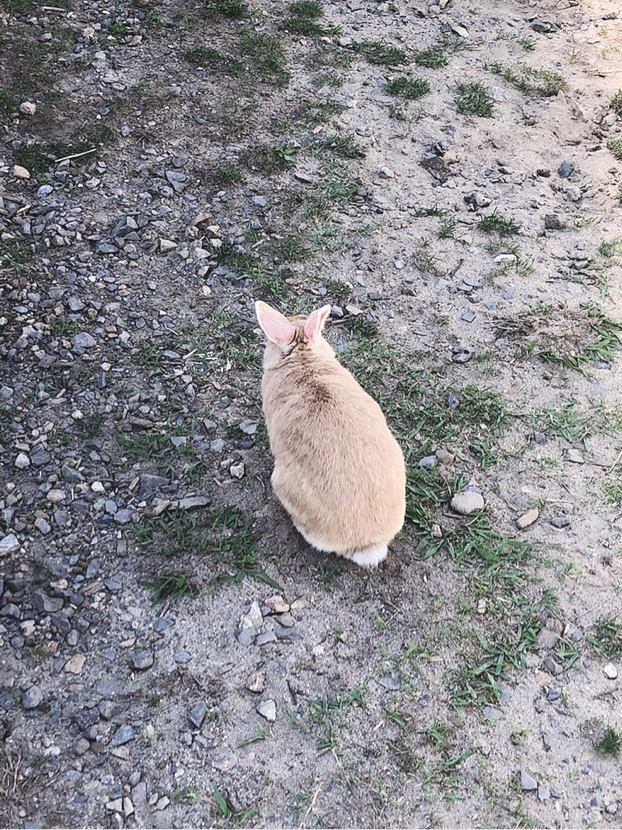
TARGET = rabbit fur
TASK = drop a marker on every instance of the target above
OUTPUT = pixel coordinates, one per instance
(338, 470)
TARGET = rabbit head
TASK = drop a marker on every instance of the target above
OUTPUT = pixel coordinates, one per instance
(292, 335)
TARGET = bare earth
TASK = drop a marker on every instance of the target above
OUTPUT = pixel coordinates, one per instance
(221, 154)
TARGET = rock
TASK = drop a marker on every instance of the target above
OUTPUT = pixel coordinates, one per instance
(82, 746)
(83, 340)
(547, 639)
(428, 462)
(237, 470)
(543, 27)
(560, 521)
(20, 172)
(22, 461)
(123, 735)
(575, 456)
(47, 604)
(552, 222)
(527, 519)
(543, 792)
(467, 316)
(505, 259)
(56, 495)
(248, 427)
(392, 682)
(142, 660)
(71, 475)
(565, 169)
(28, 108)
(224, 760)
(247, 636)
(610, 671)
(277, 604)
(167, 245)
(445, 458)
(9, 544)
(491, 713)
(32, 698)
(253, 619)
(467, 501)
(190, 503)
(182, 656)
(527, 782)
(75, 664)
(124, 228)
(552, 666)
(123, 517)
(267, 710)
(116, 805)
(198, 714)
(386, 173)
(256, 682)
(42, 526)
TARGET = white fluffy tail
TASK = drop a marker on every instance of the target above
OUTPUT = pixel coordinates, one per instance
(369, 557)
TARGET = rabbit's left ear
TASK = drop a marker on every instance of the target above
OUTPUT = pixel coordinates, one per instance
(275, 325)
(315, 323)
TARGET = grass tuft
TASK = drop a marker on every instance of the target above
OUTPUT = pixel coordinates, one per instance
(474, 99)
(500, 225)
(610, 743)
(607, 638)
(530, 79)
(380, 53)
(408, 88)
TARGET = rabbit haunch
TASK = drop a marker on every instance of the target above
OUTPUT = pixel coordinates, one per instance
(338, 470)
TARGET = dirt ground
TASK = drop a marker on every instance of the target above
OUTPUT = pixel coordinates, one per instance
(448, 177)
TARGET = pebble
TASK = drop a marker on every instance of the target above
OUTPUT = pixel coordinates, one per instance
(560, 521)
(123, 735)
(198, 714)
(20, 172)
(32, 698)
(22, 461)
(256, 682)
(575, 456)
(610, 671)
(392, 682)
(527, 782)
(142, 660)
(9, 544)
(75, 664)
(566, 169)
(237, 470)
(267, 709)
(467, 501)
(527, 519)
(28, 108)
(83, 340)
(277, 604)
(182, 657)
(492, 713)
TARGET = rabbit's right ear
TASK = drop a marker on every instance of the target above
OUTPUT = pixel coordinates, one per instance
(276, 327)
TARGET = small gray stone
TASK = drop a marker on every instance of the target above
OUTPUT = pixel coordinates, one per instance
(82, 746)
(264, 639)
(247, 636)
(39, 457)
(560, 521)
(71, 475)
(47, 604)
(123, 517)
(83, 340)
(142, 660)
(392, 682)
(467, 501)
(198, 714)
(248, 427)
(267, 710)
(552, 666)
(552, 222)
(566, 169)
(491, 713)
(428, 462)
(543, 792)
(9, 545)
(106, 709)
(123, 735)
(283, 633)
(575, 456)
(527, 519)
(44, 190)
(22, 462)
(42, 526)
(32, 698)
(527, 782)
(182, 657)
(467, 316)
(610, 671)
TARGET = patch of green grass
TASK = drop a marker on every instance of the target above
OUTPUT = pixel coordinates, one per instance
(447, 228)
(610, 743)
(293, 249)
(269, 160)
(170, 585)
(361, 327)
(212, 58)
(328, 55)
(34, 158)
(601, 339)
(225, 535)
(320, 112)
(227, 175)
(302, 18)
(613, 492)
(409, 88)
(435, 57)
(118, 28)
(500, 225)
(258, 735)
(268, 56)
(380, 53)
(615, 146)
(610, 249)
(576, 425)
(474, 99)
(606, 639)
(232, 9)
(531, 80)
(137, 446)
(14, 256)
(616, 103)
(438, 735)
(332, 79)
(527, 43)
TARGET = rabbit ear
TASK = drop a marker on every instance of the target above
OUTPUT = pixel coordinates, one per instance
(315, 323)
(276, 327)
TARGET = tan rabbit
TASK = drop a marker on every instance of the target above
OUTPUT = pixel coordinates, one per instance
(338, 471)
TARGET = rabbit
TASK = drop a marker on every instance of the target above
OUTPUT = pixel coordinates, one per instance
(338, 470)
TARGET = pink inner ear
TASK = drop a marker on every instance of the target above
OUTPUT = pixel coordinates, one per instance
(315, 323)
(276, 327)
